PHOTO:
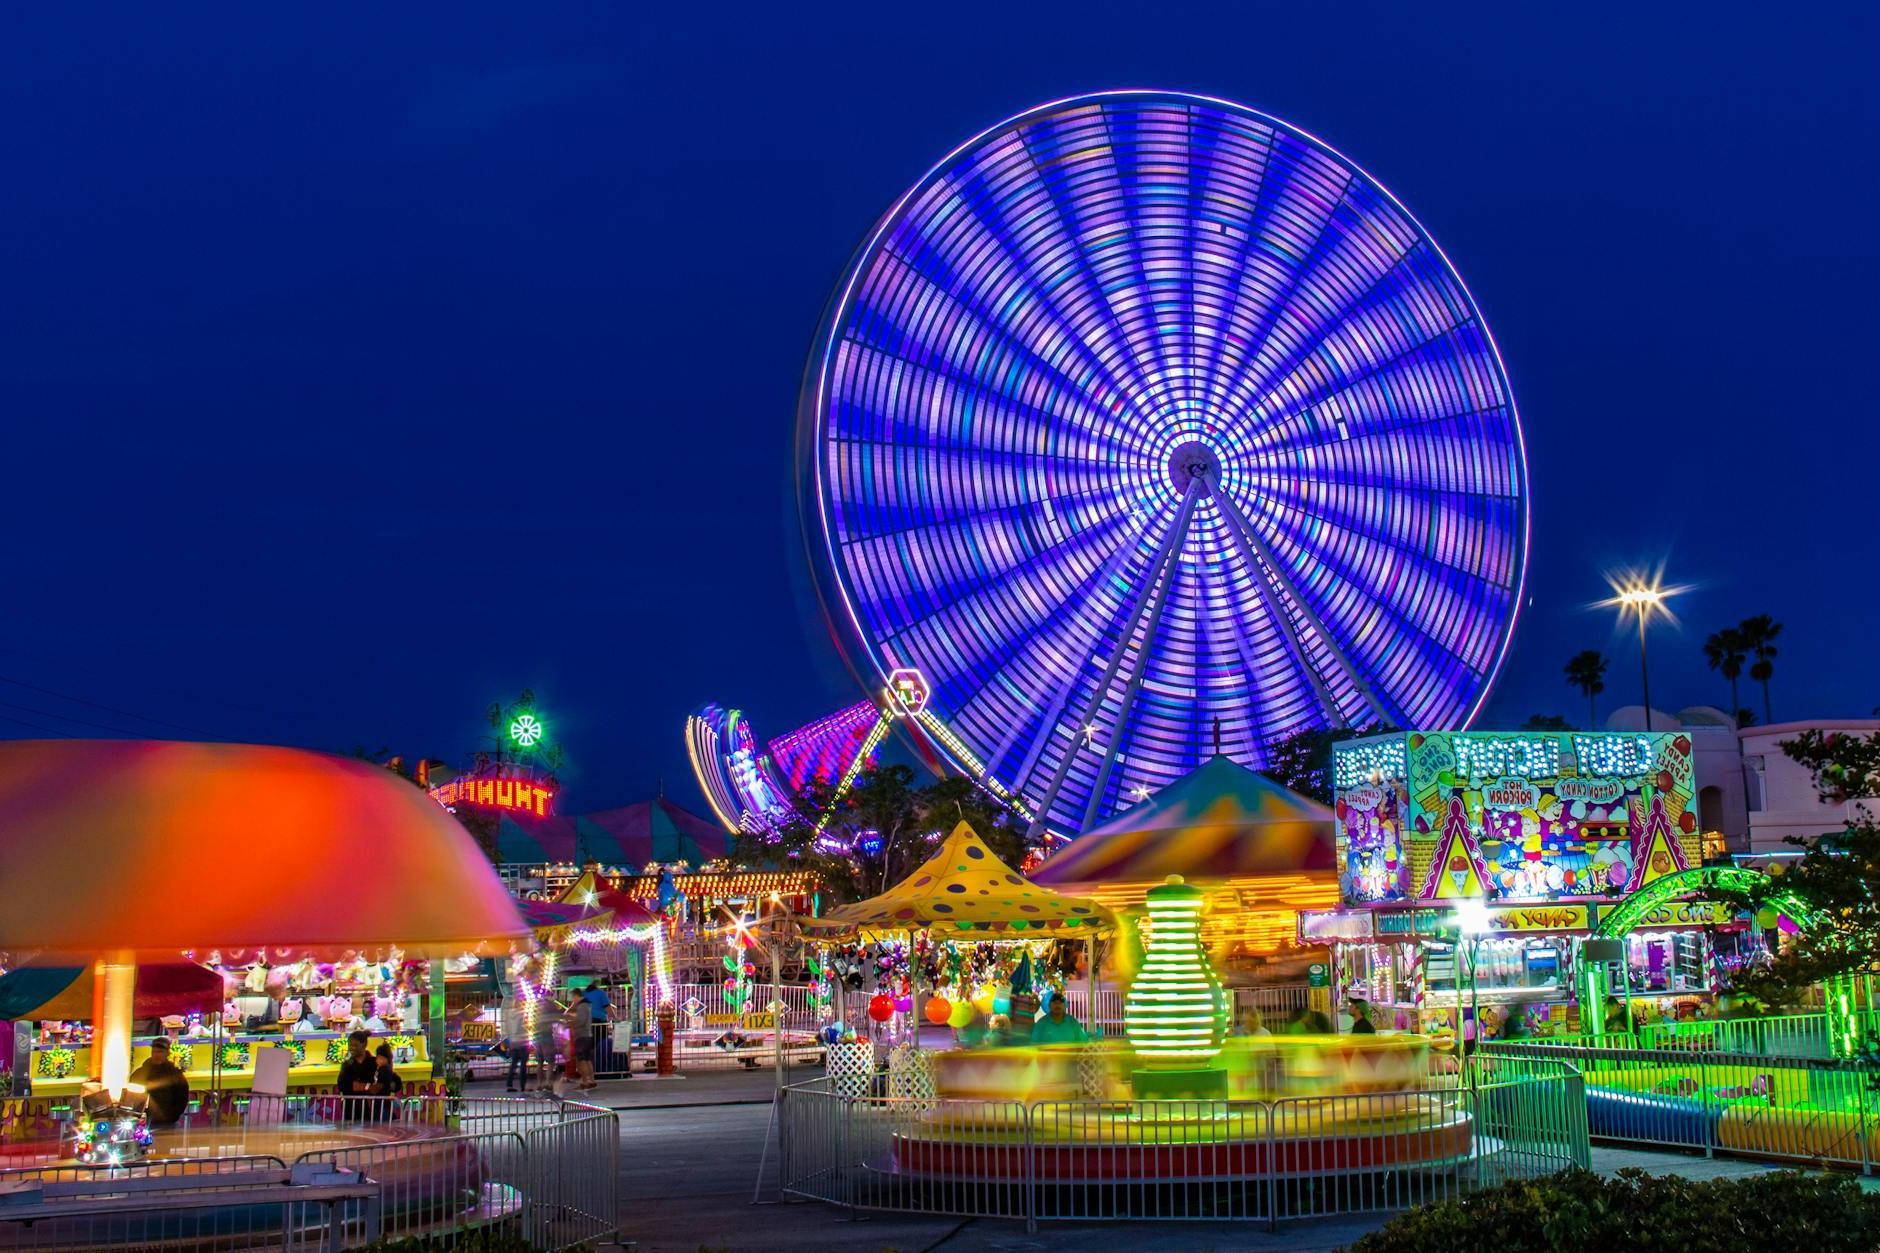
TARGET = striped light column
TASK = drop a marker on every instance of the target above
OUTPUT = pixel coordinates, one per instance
(1174, 1013)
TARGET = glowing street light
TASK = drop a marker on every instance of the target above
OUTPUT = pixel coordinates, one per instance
(1635, 595)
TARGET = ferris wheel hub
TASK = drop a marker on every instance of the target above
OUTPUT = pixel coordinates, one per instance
(1189, 460)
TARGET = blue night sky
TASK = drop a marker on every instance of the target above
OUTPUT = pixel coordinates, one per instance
(362, 369)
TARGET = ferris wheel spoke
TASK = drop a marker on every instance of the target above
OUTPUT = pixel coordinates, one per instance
(1426, 381)
(1078, 215)
(1292, 219)
(947, 335)
(1270, 582)
(1063, 674)
(1266, 562)
(964, 588)
(1426, 602)
(1156, 589)
(1059, 292)
(1353, 591)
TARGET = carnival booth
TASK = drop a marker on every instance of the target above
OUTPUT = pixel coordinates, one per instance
(962, 895)
(1473, 865)
(347, 863)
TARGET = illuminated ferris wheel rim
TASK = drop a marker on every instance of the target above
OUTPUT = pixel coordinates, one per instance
(1172, 454)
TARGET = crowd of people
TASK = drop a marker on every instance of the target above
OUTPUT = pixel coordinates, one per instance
(586, 1006)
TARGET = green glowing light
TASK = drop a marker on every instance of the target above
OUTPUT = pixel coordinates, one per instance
(1176, 1012)
(526, 730)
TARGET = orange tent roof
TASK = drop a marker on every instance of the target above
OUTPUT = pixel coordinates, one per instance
(163, 848)
(1219, 821)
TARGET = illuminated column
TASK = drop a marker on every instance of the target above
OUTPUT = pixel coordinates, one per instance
(1843, 1028)
(114, 983)
(1175, 1013)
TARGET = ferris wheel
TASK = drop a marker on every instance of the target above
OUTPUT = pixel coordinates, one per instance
(1146, 423)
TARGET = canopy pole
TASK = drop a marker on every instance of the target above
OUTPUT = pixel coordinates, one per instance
(1090, 986)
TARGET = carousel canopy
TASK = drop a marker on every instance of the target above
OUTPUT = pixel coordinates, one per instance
(1221, 820)
(34, 993)
(158, 849)
(965, 892)
(651, 831)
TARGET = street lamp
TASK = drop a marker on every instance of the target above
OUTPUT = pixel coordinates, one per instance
(1473, 921)
(1636, 596)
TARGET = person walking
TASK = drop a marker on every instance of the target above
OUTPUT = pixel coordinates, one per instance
(515, 1044)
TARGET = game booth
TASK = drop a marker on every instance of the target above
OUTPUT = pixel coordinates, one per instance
(98, 984)
(1530, 838)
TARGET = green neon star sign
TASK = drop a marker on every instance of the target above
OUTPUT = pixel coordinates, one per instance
(526, 730)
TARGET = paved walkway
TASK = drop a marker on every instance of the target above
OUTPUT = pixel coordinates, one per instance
(690, 1150)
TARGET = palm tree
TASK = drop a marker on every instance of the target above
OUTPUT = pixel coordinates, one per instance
(1587, 671)
(1726, 651)
(1759, 637)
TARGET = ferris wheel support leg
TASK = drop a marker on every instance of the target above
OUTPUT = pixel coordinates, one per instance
(1134, 685)
(1164, 558)
(1244, 532)
(1111, 568)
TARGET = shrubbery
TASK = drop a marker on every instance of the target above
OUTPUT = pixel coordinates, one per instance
(1786, 1212)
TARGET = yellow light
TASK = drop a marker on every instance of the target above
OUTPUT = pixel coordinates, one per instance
(114, 984)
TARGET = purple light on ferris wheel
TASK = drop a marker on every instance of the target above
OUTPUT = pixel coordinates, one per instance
(1142, 414)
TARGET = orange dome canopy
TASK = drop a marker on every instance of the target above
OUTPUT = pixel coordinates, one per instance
(162, 848)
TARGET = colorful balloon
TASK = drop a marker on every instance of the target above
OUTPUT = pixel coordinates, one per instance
(939, 1010)
(881, 1007)
(960, 1015)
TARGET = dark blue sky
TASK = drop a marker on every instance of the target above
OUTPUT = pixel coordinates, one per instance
(359, 370)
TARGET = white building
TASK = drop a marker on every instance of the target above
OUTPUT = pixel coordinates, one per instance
(1747, 787)
(1783, 801)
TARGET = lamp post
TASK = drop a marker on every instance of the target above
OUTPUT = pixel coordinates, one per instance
(1644, 599)
(1472, 923)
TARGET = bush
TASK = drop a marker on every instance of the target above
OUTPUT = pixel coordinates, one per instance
(1575, 1210)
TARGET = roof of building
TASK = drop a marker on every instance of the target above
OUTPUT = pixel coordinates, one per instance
(655, 830)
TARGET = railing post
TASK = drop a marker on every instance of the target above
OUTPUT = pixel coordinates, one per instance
(1028, 1173)
(1270, 1148)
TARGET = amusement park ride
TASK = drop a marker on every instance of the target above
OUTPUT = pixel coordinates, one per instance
(1138, 416)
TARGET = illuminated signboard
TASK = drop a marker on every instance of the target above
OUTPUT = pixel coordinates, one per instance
(907, 687)
(518, 795)
(1688, 914)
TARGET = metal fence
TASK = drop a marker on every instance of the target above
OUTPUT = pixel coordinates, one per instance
(1183, 1160)
(1792, 1108)
(360, 1167)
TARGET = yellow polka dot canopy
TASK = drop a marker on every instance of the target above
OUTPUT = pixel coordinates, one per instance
(965, 891)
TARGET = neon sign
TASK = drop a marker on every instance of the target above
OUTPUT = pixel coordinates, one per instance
(526, 730)
(527, 796)
(908, 689)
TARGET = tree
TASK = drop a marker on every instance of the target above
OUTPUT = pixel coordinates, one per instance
(1587, 671)
(1302, 761)
(1837, 875)
(1726, 652)
(1546, 722)
(1759, 637)
(880, 830)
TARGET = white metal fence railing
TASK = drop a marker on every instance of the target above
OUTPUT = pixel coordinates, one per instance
(547, 1171)
(1183, 1160)
(1793, 1108)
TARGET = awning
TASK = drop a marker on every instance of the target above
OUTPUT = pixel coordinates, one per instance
(1221, 821)
(33, 993)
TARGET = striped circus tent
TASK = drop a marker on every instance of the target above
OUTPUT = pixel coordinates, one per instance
(1262, 852)
(965, 892)
(33, 993)
(656, 830)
